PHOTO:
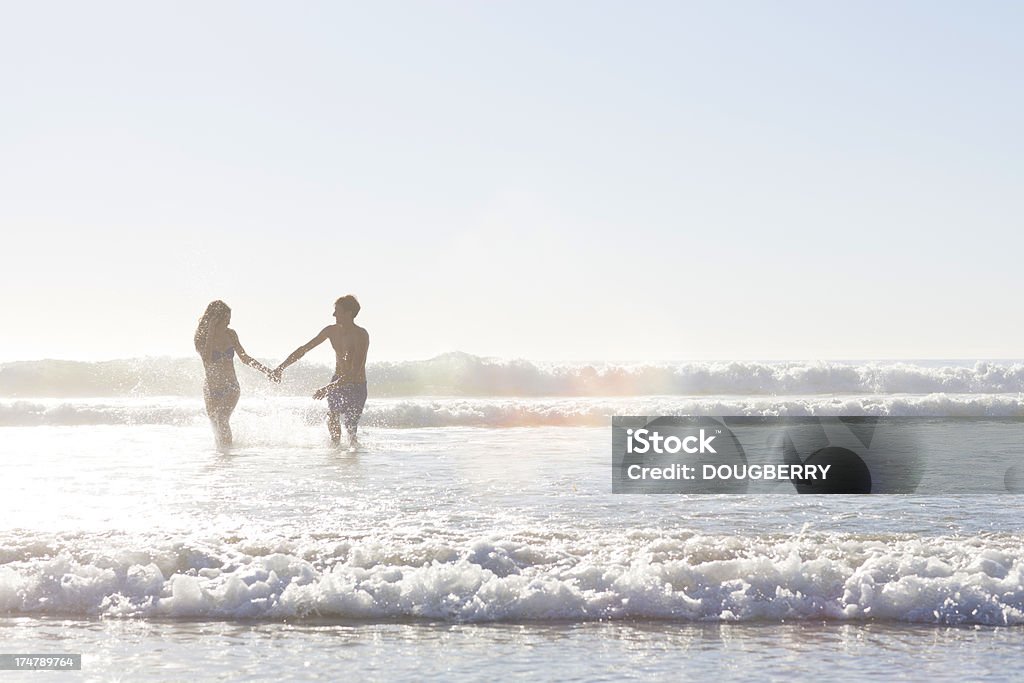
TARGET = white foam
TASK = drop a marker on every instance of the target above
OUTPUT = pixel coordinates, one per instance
(461, 374)
(279, 415)
(646, 574)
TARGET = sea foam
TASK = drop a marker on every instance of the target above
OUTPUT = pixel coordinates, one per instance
(643, 574)
(297, 413)
(460, 374)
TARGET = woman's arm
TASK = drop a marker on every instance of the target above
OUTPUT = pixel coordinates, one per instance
(246, 358)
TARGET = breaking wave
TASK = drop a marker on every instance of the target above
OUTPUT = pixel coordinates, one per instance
(648, 574)
(495, 412)
(461, 374)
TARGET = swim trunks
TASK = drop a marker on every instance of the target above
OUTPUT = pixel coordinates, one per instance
(347, 399)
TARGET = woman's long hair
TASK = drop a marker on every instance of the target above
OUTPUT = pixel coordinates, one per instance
(216, 309)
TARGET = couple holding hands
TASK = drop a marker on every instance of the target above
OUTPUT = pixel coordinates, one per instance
(217, 344)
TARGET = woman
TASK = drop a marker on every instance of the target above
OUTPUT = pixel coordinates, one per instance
(217, 345)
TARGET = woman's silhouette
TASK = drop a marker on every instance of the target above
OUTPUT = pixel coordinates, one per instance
(217, 345)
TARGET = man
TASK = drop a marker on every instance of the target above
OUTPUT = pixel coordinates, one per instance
(346, 394)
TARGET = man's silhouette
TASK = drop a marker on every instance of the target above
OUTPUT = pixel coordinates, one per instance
(346, 394)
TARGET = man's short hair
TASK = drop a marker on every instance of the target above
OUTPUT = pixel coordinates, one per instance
(348, 303)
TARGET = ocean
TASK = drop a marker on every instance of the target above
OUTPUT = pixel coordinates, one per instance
(475, 535)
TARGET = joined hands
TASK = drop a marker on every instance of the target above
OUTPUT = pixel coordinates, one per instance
(275, 376)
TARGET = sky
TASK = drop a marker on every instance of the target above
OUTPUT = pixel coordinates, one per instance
(544, 180)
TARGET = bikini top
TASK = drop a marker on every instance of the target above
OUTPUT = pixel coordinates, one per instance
(222, 355)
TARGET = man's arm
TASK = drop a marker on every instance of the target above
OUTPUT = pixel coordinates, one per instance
(300, 352)
(322, 391)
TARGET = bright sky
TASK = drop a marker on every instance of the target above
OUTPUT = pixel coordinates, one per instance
(552, 180)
